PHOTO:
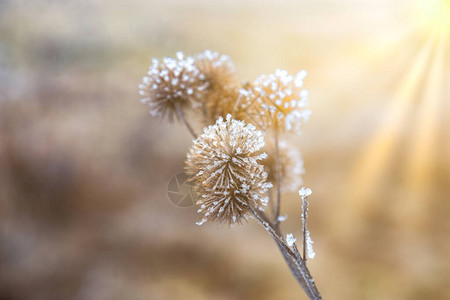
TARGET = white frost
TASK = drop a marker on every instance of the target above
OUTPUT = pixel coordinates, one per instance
(282, 218)
(304, 192)
(309, 246)
(290, 239)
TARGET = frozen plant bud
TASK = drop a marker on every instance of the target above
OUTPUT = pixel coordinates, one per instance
(223, 163)
(171, 85)
(222, 91)
(290, 239)
(278, 97)
(290, 161)
(218, 69)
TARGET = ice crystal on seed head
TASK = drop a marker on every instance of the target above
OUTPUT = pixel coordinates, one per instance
(224, 165)
(171, 84)
(276, 100)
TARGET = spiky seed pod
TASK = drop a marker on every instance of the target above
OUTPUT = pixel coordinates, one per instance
(222, 91)
(291, 163)
(223, 163)
(219, 104)
(171, 85)
(219, 70)
(247, 109)
(276, 101)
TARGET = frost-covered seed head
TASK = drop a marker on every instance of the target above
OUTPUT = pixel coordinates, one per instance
(276, 100)
(172, 83)
(224, 164)
(222, 92)
(218, 69)
(291, 163)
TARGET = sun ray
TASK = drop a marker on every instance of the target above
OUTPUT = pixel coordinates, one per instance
(371, 166)
(365, 190)
(424, 144)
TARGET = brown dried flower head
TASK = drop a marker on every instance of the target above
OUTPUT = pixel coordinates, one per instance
(172, 85)
(223, 163)
(218, 69)
(276, 101)
(290, 161)
(222, 91)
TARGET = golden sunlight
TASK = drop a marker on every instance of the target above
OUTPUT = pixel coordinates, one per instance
(434, 13)
(414, 116)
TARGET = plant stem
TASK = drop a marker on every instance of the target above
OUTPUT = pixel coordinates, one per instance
(293, 259)
(272, 205)
(277, 176)
(181, 116)
(304, 215)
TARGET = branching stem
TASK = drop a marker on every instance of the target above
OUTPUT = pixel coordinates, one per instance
(293, 259)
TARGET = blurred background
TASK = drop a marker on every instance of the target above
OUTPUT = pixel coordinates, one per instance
(84, 169)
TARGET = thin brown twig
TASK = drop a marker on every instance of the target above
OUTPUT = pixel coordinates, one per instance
(304, 212)
(271, 204)
(205, 117)
(182, 117)
(297, 253)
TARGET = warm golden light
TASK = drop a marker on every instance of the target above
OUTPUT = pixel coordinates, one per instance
(434, 13)
(413, 117)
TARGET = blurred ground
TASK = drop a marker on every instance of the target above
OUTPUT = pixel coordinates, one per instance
(84, 169)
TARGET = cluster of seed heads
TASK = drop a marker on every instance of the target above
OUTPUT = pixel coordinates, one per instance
(227, 163)
(230, 163)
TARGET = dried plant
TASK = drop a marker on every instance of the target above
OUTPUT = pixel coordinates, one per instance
(224, 165)
(231, 165)
(223, 86)
(275, 101)
(173, 86)
(291, 164)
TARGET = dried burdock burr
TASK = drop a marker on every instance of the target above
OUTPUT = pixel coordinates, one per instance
(291, 164)
(222, 91)
(172, 86)
(275, 101)
(224, 164)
